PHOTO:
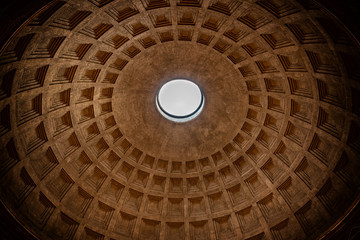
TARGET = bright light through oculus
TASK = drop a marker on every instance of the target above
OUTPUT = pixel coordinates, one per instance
(180, 100)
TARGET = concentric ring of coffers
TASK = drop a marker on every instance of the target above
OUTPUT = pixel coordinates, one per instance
(61, 140)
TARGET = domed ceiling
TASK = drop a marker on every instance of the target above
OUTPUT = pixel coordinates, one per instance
(274, 154)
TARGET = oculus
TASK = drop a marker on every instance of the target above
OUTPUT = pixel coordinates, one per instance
(180, 100)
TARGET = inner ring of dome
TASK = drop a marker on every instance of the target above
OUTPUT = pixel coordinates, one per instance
(180, 100)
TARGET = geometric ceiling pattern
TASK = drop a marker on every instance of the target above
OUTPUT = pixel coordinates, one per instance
(86, 155)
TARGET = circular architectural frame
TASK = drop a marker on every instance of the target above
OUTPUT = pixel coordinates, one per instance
(180, 100)
(85, 154)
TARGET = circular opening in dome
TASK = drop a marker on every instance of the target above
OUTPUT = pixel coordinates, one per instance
(180, 100)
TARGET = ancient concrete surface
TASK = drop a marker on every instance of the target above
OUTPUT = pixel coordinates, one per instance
(86, 155)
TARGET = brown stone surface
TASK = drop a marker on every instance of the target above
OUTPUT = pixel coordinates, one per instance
(135, 110)
(86, 155)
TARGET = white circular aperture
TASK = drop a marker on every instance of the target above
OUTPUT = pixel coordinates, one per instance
(180, 100)
(179, 97)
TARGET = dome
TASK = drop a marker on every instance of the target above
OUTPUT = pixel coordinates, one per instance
(273, 153)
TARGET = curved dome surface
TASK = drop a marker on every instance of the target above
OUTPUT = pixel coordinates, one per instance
(274, 154)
